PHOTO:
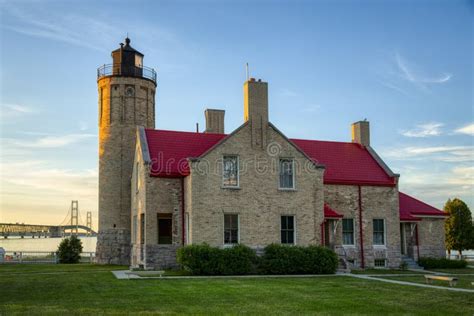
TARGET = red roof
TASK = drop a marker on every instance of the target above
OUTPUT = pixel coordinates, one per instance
(411, 207)
(330, 213)
(346, 163)
(169, 150)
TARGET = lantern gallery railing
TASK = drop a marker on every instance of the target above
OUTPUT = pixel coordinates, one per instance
(123, 70)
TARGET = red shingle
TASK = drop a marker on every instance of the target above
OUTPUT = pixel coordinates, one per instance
(410, 206)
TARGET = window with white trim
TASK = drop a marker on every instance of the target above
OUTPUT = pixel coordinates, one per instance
(380, 263)
(230, 174)
(348, 231)
(287, 179)
(288, 229)
(379, 231)
(231, 229)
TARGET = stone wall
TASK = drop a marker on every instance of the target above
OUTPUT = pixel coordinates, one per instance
(431, 238)
(119, 114)
(377, 203)
(258, 200)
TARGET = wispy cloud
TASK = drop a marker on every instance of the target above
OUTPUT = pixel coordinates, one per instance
(289, 93)
(424, 130)
(434, 153)
(393, 87)
(409, 72)
(48, 141)
(310, 108)
(69, 28)
(12, 110)
(468, 130)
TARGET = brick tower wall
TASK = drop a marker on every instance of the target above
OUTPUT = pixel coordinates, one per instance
(124, 103)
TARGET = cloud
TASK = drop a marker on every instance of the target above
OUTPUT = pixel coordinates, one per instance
(289, 93)
(47, 141)
(407, 71)
(424, 130)
(69, 28)
(437, 186)
(83, 125)
(438, 153)
(468, 130)
(13, 110)
(310, 108)
(393, 87)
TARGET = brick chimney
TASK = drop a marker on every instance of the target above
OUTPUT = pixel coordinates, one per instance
(256, 110)
(214, 121)
(361, 133)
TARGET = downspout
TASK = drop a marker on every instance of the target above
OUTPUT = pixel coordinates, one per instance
(361, 234)
(417, 242)
(182, 211)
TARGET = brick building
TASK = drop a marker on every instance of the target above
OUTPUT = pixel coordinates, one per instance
(160, 190)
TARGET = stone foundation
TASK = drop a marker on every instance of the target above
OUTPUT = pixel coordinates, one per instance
(113, 247)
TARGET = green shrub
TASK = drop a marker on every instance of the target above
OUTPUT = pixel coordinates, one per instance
(206, 260)
(441, 263)
(69, 250)
(282, 259)
(238, 260)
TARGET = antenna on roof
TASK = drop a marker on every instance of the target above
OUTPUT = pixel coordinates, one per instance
(197, 127)
(247, 70)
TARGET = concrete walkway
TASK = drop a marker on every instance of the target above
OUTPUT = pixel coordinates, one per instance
(366, 277)
(127, 275)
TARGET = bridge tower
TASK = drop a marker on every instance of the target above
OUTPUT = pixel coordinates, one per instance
(89, 222)
(126, 99)
(74, 217)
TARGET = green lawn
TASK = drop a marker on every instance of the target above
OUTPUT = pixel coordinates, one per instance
(89, 289)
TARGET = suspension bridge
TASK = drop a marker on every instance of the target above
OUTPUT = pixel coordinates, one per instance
(71, 225)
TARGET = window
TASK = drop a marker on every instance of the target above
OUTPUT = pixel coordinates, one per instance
(137, 170)
(142, 229)
(286, 174)
(287, 229)
(379, 263)
(231, 229)
(165, 229)
(230, 173)
(379, 231)
(347, 231)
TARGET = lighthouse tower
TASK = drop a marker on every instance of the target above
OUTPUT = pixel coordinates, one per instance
(126, 100)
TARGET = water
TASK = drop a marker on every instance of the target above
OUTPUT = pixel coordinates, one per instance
(43, 244)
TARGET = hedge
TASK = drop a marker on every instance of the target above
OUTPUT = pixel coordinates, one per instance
(441, 263)
(283, 259)
(277, 259)
(206, 260)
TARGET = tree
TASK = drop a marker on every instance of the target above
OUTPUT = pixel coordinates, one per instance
(69, 250)
(458, 226)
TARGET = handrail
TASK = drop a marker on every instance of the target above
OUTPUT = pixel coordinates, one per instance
(123, 70)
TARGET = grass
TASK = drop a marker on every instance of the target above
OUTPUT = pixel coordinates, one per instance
(91, 290)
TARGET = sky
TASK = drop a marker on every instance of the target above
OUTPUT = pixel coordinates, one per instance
(406, 66)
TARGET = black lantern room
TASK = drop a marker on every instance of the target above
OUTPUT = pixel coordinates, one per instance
(127, 61)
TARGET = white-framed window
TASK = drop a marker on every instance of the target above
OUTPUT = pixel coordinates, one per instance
(288, 229)
(230, 172)
(378, 226)
(231, 229)
(348, 231)
(286, 172)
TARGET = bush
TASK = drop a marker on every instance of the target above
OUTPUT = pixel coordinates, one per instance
(206, 260)
(69, 250)
(282, 259)
(441, 263)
